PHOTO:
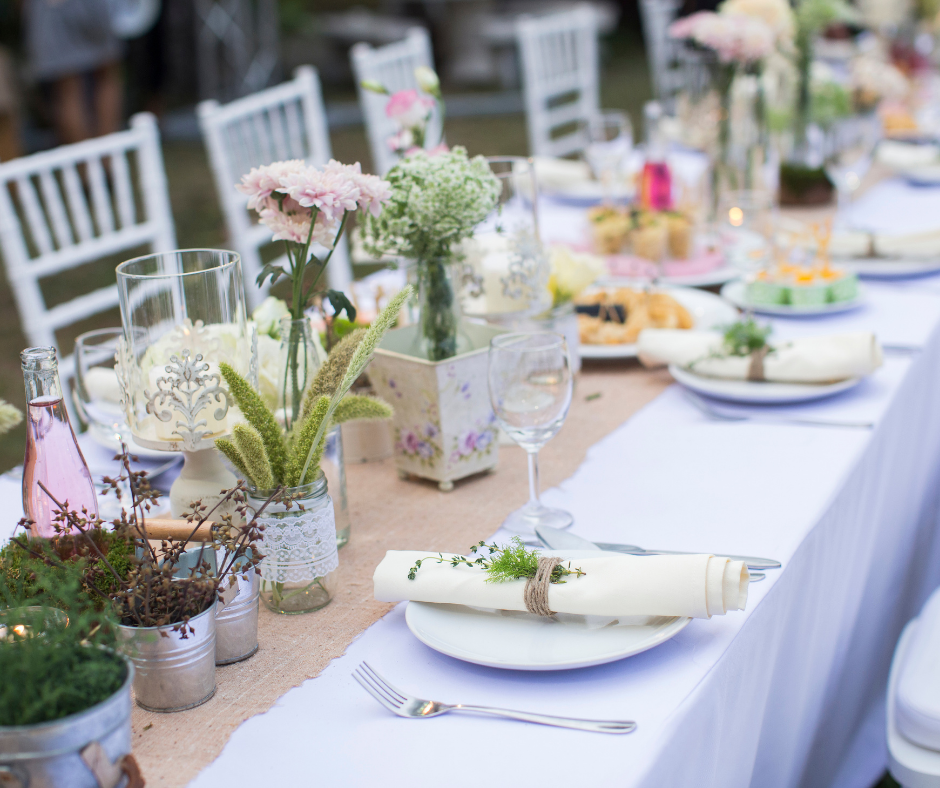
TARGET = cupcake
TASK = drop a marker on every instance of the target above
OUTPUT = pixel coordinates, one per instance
(679, 228)
(610, 228)
(649, 237)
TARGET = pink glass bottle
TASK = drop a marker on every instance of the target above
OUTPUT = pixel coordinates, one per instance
(656, 179)
(52, 453)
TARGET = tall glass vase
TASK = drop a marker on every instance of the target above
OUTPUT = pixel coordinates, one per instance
(741, 157)
(301, 355)
(439, 336)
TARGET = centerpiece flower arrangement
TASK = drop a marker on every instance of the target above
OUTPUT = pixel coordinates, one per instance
(742, 34)
(300, 541)
(269, 456)
(411, 111)
(802, 177)
(435, 204)
(152, 593)
(304, 205)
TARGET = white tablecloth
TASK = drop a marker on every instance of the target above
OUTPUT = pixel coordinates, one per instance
(788, 693)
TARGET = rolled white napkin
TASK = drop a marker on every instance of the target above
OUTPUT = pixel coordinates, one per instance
(911, 246)
(699, 586)
(810, 360)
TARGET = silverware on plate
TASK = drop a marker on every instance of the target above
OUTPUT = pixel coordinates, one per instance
(716, 414)
(409, 706)
(564, 540)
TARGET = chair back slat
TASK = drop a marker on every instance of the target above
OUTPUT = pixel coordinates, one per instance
(100, 196)
(123, 189)
(560, 70)
(77, 204)
(295, 131)
(66, 229)
(55, 210)
(287, 121)
(263, 136)
(393, 66)
(275, 119)
(38, 229)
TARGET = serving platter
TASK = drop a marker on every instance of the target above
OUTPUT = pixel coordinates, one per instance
(707, 310)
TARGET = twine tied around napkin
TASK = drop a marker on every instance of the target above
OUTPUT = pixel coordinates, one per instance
(535, 594)
(756, 369)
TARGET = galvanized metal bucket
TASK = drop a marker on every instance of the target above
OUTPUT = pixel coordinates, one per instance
(172, 673)
(236, 624)
(49, 755)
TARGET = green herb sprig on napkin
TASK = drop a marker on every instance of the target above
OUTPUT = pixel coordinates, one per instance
(745, 337)
(511, 562)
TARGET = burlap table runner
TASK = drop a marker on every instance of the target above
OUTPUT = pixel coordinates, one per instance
(387, 513)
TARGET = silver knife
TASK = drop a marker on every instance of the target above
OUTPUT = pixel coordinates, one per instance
(562, 540)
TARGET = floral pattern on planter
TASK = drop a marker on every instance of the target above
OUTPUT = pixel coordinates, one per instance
(419, 442)
(444, 426)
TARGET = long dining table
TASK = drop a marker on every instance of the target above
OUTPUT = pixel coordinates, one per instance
(788, 692)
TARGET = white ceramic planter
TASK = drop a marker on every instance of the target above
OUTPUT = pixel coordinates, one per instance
(443, 428)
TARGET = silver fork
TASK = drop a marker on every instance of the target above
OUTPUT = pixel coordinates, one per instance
(409, 706)
(717, 415)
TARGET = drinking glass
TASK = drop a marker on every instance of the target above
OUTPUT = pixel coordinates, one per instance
(609, 143)
(97, 388)
(850, 146)
(530, 390)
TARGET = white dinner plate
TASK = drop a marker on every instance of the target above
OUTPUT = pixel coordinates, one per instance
(707, 310)
(107, 439)
(522, 641)
(736, 293)
(891, 268)
(759, 392)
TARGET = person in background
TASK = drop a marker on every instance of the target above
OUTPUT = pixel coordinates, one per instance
(70, 43)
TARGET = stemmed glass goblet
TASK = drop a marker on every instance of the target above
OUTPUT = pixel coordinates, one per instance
(530, 390)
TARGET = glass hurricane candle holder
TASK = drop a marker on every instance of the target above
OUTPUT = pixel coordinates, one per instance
(509, 266)
(183, 315)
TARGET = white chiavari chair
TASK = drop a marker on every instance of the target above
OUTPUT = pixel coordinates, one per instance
(393, 66)
(560, 78)
(73, 205)
(287, 121)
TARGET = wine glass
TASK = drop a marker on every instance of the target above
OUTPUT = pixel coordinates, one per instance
(746, 228)
(609, 145)
(851, 144)
(97, 388)
(530, 390)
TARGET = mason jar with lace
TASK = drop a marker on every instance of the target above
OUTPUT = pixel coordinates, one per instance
(298, 573)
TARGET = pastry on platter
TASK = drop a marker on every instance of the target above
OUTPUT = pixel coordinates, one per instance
(617, 316)
(799, 285)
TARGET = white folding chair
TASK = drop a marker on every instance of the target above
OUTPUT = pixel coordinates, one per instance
(66, 207)
(284, 122)
(560, 78)
(674, 66)
(394, 67)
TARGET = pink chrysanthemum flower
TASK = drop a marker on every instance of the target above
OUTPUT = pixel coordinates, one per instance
(330, 191)
(262, 181)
